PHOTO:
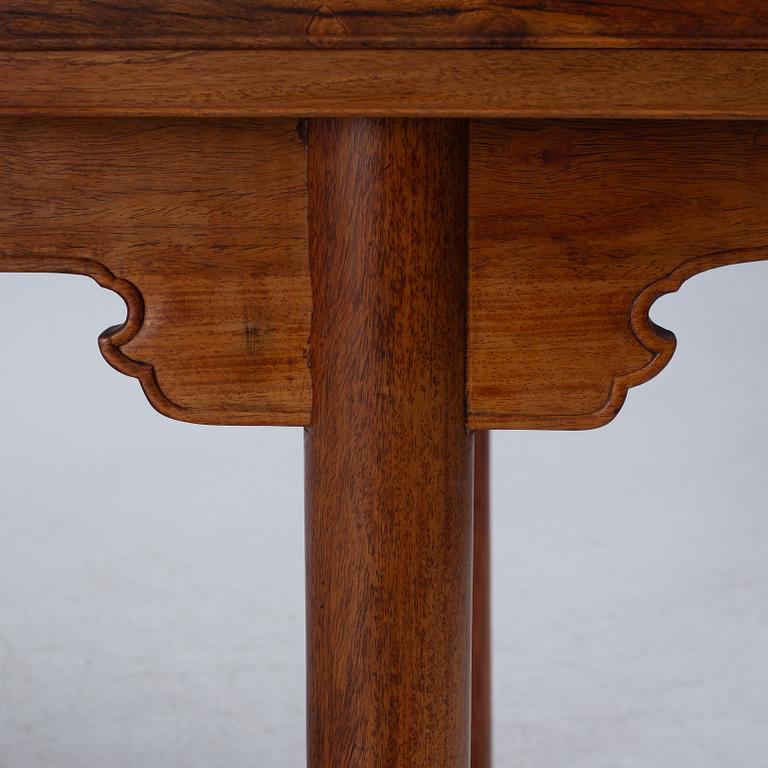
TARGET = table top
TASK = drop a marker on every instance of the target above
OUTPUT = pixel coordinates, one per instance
(229, 24)
(503, 58)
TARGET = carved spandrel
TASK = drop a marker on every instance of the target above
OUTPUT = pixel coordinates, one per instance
(200, 226)
(576, 229)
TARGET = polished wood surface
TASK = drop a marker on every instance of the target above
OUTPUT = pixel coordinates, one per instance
(482, 685)
(388, 456)
(189, 24)
(575, 230)
(200, 226)
(541, 84)
(305, 233)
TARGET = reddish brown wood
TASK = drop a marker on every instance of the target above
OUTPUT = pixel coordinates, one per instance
(388, 457)
(482, 730)
(541, 84)
(200, 226)
(576, 228)
(183, 24)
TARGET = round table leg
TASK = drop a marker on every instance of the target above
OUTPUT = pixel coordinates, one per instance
(388, 457)
(481, 609)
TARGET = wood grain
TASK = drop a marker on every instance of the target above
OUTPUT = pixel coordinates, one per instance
(388, 457)
(201, 24)
(575, 230)
(540, 84)
(200, 226)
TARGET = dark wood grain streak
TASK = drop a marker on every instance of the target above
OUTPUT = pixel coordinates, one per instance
(576, 229)
(482, 684)
(200, 226)
(540, 84)
(388, 457)
(208, 24)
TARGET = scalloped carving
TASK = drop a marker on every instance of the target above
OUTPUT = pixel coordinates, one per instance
(576, 229)
(200, 226)
(114, 338)
(659, 341)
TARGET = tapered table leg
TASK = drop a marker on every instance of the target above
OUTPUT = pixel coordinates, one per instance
(481, 609)
(388, 458)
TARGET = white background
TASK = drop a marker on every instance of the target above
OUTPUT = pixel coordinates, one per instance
(151, 573)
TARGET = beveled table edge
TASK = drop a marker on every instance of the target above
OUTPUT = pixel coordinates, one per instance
(652, 84)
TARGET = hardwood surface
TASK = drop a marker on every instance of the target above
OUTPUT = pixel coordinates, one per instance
(575, 229)
(190, 24)
(200, 226)
(317, 273)
(482, 684)
(540, 84)
(388, 457)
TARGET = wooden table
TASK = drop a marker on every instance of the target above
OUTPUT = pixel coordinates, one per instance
(393, 224)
